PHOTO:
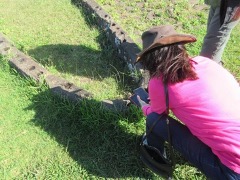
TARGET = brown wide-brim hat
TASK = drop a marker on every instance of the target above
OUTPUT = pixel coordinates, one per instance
(162, 36)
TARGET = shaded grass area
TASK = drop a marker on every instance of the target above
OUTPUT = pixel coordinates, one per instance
(45, 137)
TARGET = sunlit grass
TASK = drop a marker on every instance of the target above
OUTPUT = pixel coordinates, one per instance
(56, 34)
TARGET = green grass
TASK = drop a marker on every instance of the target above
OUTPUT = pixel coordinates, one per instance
(27, 150)
(56, 34)
(44, 137)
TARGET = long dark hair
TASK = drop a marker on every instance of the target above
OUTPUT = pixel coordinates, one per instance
(171, 63)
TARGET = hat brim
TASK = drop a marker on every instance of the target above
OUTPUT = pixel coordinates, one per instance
(167, 40)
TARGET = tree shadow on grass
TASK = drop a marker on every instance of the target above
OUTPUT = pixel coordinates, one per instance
(83, 62)
(105, 143)
(77, 60)
(108, 41)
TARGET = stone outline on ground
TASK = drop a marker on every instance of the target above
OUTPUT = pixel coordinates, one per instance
(127, 51)
(27, 67)
(125, 47)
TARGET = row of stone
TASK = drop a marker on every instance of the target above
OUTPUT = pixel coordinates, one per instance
(126, 48)
(124, 45)
(26, 66)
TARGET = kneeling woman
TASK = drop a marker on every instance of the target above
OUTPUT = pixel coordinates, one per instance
(203, 95)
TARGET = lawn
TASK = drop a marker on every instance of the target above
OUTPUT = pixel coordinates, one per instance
(55, 34)
(45, 137)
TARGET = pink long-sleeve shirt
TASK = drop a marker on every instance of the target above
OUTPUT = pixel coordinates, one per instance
(208, 106)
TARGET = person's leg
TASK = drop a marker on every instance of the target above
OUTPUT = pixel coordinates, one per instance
(196, 152)
(210, 16)
(218, 35)
(152, 139)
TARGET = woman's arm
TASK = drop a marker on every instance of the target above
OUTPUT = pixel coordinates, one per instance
(157, 97)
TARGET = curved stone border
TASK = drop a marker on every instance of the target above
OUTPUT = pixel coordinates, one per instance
(59, 86)
(29, 68)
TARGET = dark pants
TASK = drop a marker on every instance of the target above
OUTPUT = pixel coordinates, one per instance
(194, 150)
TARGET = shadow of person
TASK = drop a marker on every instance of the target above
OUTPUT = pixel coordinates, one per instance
(104, 143)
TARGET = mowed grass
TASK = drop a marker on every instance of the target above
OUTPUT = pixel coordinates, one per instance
(27, 151)
(44, 137)
(55, 34)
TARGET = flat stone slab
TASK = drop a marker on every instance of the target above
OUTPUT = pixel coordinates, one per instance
(115, 105)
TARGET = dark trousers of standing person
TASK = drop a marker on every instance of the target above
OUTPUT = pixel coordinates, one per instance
(191, 148)
(218, 34)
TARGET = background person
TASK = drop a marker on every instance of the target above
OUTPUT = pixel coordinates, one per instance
(203, 95)
(223, 16)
